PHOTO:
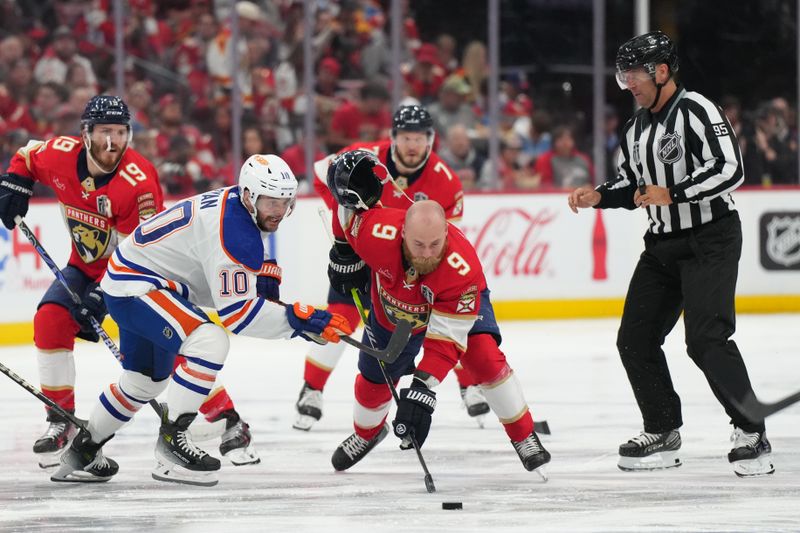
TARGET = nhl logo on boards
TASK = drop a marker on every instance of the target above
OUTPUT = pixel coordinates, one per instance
(669, 148)
(780, 240)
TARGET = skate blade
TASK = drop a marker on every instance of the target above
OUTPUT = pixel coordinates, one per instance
(480, 420)
(177, 474)
(304, 422)
(243, 456)
(542, 472)
(51, 459)
(761, 466)
(67, 474)
(202, 431)
(656, 461)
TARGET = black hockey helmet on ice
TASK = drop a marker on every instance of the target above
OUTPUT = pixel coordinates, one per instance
(412, 118)
(352, 180)
(106, 109)
(647, 51)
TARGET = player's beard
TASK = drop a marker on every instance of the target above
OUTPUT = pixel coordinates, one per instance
(269, 224)
(411, 164)
(108, 161)
(423, 265)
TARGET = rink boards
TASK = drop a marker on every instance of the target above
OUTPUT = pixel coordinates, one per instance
(540, 259)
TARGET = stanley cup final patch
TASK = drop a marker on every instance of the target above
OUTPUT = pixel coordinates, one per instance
(669, 148)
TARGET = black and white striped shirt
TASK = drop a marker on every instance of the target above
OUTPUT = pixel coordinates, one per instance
(688, 147)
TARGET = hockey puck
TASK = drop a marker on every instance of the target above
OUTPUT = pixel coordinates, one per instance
(452, 505)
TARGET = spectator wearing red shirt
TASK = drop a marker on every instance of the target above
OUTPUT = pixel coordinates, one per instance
(564, 166)
(425, 77)
(295, 157)
(366, 120)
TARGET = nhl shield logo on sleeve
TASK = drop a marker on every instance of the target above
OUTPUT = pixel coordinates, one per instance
(669, 148)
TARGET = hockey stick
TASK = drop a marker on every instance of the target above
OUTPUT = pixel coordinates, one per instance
(756, 410)
(36, 392)
(75, 298)
(400, 335)
(396, 343)
(429, 486)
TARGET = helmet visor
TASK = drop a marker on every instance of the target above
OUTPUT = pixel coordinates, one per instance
(634, 76)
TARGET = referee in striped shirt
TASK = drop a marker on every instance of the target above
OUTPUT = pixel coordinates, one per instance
(679, 160)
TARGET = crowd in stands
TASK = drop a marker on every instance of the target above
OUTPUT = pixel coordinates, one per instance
(56, 54)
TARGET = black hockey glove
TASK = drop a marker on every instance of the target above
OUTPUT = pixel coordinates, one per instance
(268, 282)
(92, 306)
(346, 270)
(15, 191)
(414, 412)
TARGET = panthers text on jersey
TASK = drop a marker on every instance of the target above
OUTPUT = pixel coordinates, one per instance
(98, 211)
(446, 301)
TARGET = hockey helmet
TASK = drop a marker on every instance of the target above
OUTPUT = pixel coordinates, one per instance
(352, 180)
(267, 175)
(105, 109)
(412, 118)
(646, 51)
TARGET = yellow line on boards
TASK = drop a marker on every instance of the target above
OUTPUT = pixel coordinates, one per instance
(22, 332)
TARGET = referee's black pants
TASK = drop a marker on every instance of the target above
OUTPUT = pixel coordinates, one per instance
(695, 272)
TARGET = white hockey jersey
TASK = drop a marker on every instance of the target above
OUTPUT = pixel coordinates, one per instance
(208, 250)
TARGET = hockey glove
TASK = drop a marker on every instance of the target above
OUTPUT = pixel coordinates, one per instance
(346, 270)
(269, 280)
(414, 412)
(316, 325)
(92, 306)
(15, 191)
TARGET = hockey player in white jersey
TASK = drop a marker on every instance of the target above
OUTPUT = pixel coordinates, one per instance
(205, 251)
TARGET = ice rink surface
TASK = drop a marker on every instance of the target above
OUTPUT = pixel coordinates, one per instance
(572, 378)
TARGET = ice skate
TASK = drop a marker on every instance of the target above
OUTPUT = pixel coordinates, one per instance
(51, 446)
(651, 451)
(354, 448)
(236, 445)
(178, 459)
(751, 454)
(533, 455)
(84, 462)
(475, 403)
(309, 408)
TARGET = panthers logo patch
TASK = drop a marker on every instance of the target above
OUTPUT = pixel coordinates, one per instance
(91, 233)
(396, 310)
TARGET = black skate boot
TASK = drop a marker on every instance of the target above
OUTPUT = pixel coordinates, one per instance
(50, 446)
(84, 462)
(751, 454)
(532, 454)
(354, 448)
(309, 408)
(651, 451)
(475, 402)
(236, 441)
(178, 459)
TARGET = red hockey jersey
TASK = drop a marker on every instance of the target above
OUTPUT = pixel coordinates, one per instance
(98, 211)
(446, 301)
